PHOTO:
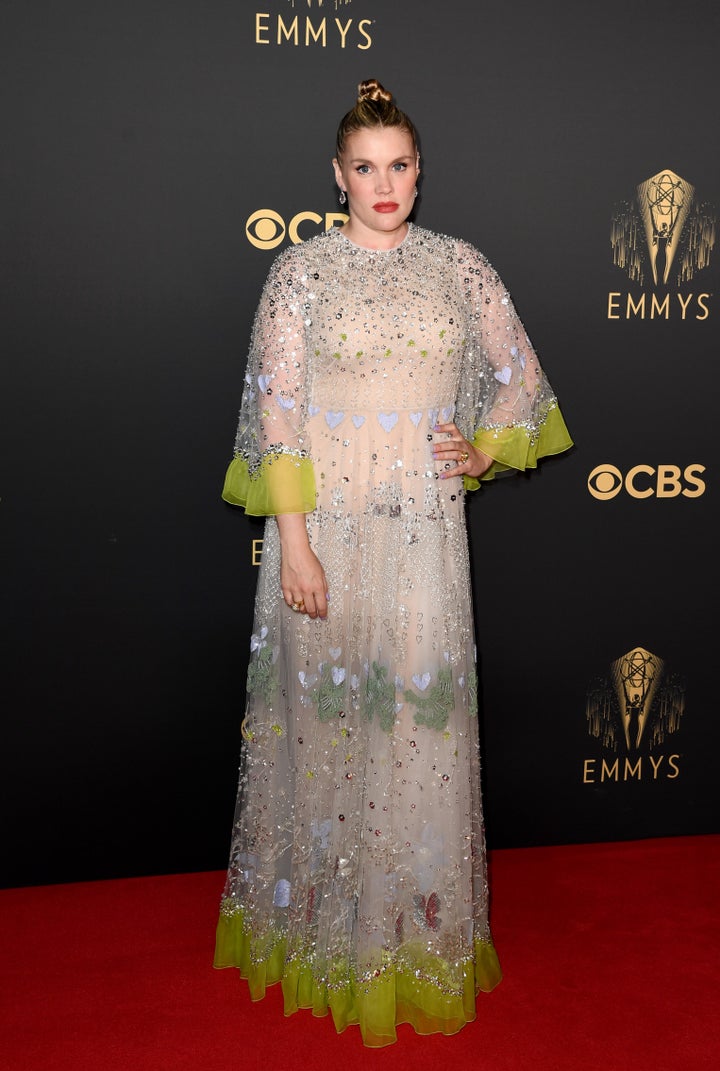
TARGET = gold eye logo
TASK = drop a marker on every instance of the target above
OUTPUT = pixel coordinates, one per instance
(265, 229)
(604, 482)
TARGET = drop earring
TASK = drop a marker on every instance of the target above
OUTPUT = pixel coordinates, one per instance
(342, 198)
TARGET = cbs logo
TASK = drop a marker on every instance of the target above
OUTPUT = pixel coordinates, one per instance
(265, 229)
(644, 481)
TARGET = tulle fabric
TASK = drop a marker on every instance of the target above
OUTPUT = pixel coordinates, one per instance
(281, 483)
(379, 1004)
(515, 449)
(357, 874)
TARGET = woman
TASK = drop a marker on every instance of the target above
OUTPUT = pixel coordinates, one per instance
(388, 375)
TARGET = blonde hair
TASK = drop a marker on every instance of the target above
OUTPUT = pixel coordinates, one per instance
(374, 108)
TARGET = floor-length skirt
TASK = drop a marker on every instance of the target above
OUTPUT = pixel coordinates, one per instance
(358, 873)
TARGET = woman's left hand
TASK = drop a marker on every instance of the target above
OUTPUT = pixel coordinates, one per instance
(470, 460)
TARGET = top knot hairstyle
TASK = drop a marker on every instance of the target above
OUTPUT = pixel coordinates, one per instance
(374, 108)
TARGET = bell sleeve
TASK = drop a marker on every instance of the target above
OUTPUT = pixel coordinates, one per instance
(506, 406)
(272, 471)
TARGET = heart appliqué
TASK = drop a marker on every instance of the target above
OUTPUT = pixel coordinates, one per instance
(335, 652)
(285, 403)
(387, 421)
(281, 896)
(332, 419)
(514, 352)
(504, 375)
(313, 410)
(416, 418)
(358, 420)
(264, 382)
(421, 682)
(256, 642)
(338, 675)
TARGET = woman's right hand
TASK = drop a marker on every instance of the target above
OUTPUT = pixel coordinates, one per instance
(302, 577)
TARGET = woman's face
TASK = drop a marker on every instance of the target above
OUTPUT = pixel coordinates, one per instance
(379, 169)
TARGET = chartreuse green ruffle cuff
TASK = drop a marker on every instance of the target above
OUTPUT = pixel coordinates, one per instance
(414, 986)
(517, 448)
(283, 483)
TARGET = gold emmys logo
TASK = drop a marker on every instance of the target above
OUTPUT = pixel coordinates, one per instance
(663, 235)
(265, 228)
(638, 704)
(306, 30)
(646, 481)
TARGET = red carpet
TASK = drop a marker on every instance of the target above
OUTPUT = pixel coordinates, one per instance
(611, 955)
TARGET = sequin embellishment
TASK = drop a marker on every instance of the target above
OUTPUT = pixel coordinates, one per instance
(357, 867)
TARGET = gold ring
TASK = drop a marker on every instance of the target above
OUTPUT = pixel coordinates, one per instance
(464, 456)
(297, 606)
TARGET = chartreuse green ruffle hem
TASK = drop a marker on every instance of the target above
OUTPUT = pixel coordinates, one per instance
(514, 448)
(285, 483)
(416, 987)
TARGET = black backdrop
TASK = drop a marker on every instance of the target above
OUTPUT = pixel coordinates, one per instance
(140, 139)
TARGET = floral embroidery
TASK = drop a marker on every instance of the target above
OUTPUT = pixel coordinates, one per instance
(473, 692)
(380, 697)
(262, 678)
(330, 693)
(433, 708)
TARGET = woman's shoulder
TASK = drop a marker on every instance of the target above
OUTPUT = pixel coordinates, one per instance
(460, 249)
(297, 259)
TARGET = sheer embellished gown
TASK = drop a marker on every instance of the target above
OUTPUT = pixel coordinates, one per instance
(357, 874)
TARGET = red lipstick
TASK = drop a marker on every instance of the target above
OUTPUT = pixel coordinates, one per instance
(386, 206)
